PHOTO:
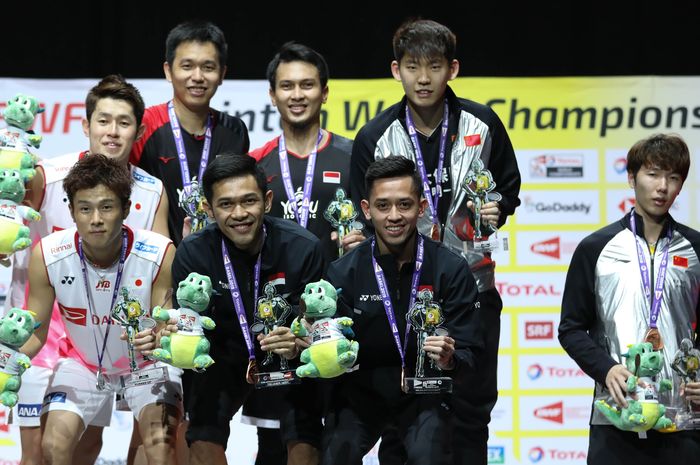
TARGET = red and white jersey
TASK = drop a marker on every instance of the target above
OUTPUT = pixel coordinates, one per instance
(55, 215)
(86, 320)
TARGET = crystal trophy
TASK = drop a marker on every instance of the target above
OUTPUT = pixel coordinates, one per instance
(130, 315)
(192, 201)
(425, 318)
(479, 185)
(341, 214)
(271, 311)
(686, 363)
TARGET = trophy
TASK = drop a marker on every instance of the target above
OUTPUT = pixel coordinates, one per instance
(686, 363)
(129, 314)
(191, 200)
(426, 317)
(341, 213)
(479, 185)
(272, 310)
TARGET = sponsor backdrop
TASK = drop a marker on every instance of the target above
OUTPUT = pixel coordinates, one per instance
(571, 137)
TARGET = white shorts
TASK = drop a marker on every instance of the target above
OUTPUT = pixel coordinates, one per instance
(27, 412)
(73, 388)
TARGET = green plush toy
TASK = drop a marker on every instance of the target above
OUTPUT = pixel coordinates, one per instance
(14, 235)
(19, 115)
(645, 412)
(331, 352)
(188, 348)
(15, 329)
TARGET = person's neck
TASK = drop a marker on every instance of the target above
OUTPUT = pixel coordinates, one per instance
(194, 121)
(652, 226)
(403, 253)
(426, 119)
(301, 140)
(103, 258)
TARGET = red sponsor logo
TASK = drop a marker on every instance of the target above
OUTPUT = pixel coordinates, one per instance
(539, 330)
(4, 427)
(428, 287)
(549, 248)
(472, 139)
(626, 204)
(527, 290)
(680, 261)
(60, 248)
(77, 316)
(553, 412)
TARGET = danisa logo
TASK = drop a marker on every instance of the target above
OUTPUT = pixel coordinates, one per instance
(552, 412)
(496, 454)
(534, 371)
(620, 165)
(539, 330)
(536, 454)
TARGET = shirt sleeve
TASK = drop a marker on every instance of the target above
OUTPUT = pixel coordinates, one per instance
(504, 168)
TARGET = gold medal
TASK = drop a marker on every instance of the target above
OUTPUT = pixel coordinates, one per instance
(435, 232)
(251, 372)
(654, 337)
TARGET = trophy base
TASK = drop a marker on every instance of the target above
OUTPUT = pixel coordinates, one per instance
(276, 378)
(436, 385)
(688, 420)
(491, 244)
(144, 377)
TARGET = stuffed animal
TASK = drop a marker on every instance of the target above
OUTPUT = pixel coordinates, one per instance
(19, 115)
(15, 329)
(331, 352)
(187, 348)
(14, 235)
(645, 412)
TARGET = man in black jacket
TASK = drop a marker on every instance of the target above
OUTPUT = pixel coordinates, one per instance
(403, 262)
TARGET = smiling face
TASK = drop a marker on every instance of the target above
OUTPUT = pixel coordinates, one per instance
(98, 214)
(424, 81)
(112, 129)
(195, 74)
(655, 190)
(298, 94)
(239, 206)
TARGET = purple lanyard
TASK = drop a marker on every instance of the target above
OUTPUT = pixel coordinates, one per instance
(432, 200)
(115, 292)
(386, 298)
(180, 145)
(644, 271)
(303, 216)
(236, 293)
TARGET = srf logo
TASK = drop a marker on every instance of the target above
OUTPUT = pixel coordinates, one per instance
(539, 330)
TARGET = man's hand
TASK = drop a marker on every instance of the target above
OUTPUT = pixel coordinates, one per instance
(186, 227)
(490, 212)
(441, 349)
(281, 341)
(616, 382)
(148, 340)
(691, 391)
(351, 240)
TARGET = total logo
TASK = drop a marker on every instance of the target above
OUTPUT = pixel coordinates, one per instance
(620, 165)
(534, 371)
(536, 454)
(527, 290)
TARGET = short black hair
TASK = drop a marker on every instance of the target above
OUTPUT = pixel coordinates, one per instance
(393, 166)
(114, 86)
(424, 38)
(293, 51)
(232, 165)
(667, 151)
(196, 31)
(95, 169)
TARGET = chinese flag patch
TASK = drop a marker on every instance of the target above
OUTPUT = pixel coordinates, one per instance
(680, 261)
(472, 140)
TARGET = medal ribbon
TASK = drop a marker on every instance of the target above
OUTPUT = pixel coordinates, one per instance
(180, 146)
(302, 216)
(645, 272)
(432, 200)
(115, 292)
(236, 293)
(386, 298)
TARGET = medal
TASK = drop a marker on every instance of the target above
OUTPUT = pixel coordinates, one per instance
(251, 372)
(435, 232)
(101, 383)
(654, 337)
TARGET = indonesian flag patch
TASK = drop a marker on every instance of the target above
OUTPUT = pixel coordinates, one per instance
(277, 279)
(331, 177)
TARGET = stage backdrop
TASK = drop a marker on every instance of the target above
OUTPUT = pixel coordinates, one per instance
(571, 137)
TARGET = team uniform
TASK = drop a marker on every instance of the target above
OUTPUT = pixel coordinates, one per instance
(55, 216)
(156, 153)
(87, 318)
(474, 131)
(604, 309)
(290, 257)
(369, 398)
(331, 172)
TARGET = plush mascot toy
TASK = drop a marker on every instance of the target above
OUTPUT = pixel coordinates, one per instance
(17, 138)
(331, 352)
(187, 348)
(645, 412)
(14, 235)
(15, 329)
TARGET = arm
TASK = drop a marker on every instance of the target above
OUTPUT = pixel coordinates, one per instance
(34, 195)
(41, 298)
(160, 222)
(362, 156)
